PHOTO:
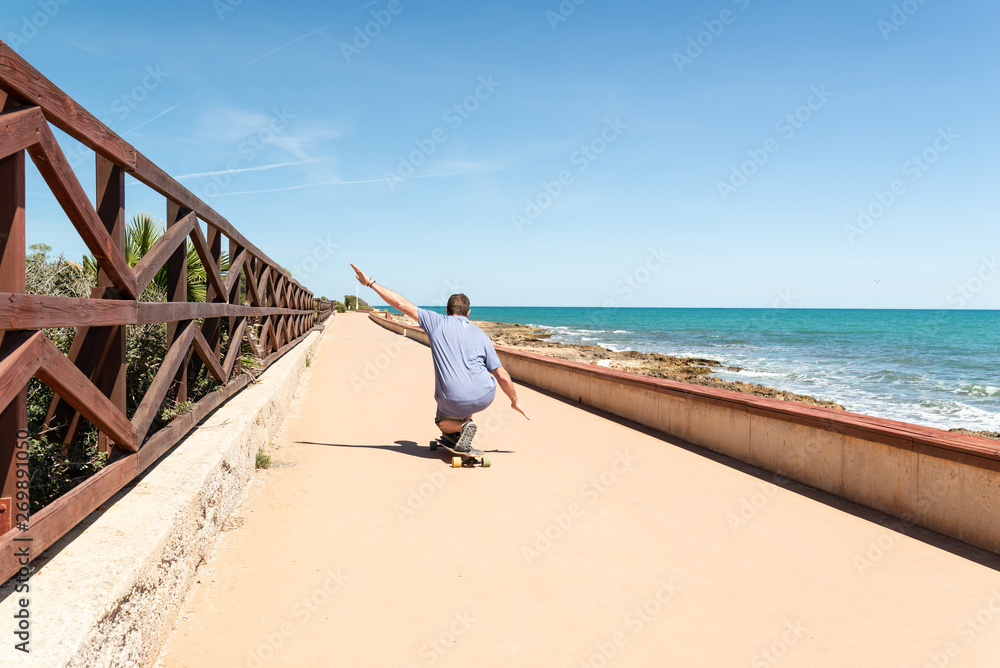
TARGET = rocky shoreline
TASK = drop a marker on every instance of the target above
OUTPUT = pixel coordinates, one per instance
(656, 365)
(683, 369)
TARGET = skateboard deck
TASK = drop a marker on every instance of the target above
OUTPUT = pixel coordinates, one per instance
(472, 457)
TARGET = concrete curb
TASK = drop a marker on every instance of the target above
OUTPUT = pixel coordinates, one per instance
(107, 593)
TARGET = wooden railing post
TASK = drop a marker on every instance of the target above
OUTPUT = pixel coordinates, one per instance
(177, 291)
(111, 378)
(211, 327)
(235, 296)
(13, 418)
(99, 352)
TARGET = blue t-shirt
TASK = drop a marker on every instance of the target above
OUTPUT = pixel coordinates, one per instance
(463, 359)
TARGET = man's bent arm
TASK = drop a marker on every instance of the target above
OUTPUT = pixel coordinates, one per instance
(507, 385)
(396, 300)
(392, 298)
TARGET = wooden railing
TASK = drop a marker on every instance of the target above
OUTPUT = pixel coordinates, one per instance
(263, 307)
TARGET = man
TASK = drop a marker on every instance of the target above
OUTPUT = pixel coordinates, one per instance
(466, 367)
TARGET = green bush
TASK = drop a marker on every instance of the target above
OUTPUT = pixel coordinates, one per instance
(355, 303)
(263, 459)
(56, 468)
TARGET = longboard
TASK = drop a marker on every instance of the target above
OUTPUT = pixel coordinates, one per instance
(461, 458)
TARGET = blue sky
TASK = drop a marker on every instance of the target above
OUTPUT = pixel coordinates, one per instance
(712, 154)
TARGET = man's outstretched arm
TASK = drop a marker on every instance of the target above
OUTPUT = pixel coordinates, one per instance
(507, 385)
(393, 299)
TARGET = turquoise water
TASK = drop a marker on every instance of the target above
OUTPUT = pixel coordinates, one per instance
(935, 368)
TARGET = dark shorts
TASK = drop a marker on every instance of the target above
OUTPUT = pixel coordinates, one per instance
(441, 416)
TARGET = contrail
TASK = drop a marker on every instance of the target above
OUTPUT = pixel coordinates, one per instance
(162, 113)
(348, 183)
(310, 34)
(248, 169)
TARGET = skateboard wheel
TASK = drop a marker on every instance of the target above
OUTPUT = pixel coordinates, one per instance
(456, 462)
(434, 445)
(486, 462)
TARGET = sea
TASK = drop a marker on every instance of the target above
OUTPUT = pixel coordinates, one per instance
(938, 368)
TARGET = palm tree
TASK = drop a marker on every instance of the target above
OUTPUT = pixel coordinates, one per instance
(142, 233)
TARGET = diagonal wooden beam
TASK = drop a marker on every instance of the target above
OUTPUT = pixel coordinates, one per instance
(207, 355)
(263, 281)
(145, 271)
(76, 389)
(26, 356)
(235, 346)
(90, 351)
(201, 247)
(146, 413)
(235, 267)
(20, 129)
(275, 284)
(30, 85)
(55, 169)
(277, 332)
(253, 296)
(210, 253)
(17, 365)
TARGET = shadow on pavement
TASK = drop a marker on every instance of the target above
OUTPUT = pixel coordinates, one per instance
(404, 447)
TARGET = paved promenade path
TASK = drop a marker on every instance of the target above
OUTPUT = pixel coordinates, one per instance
(588, 543)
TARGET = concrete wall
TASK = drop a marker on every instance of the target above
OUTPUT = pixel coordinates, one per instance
(941, 480)
(107, 593)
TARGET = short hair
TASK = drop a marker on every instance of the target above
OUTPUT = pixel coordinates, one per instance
(458, 305)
